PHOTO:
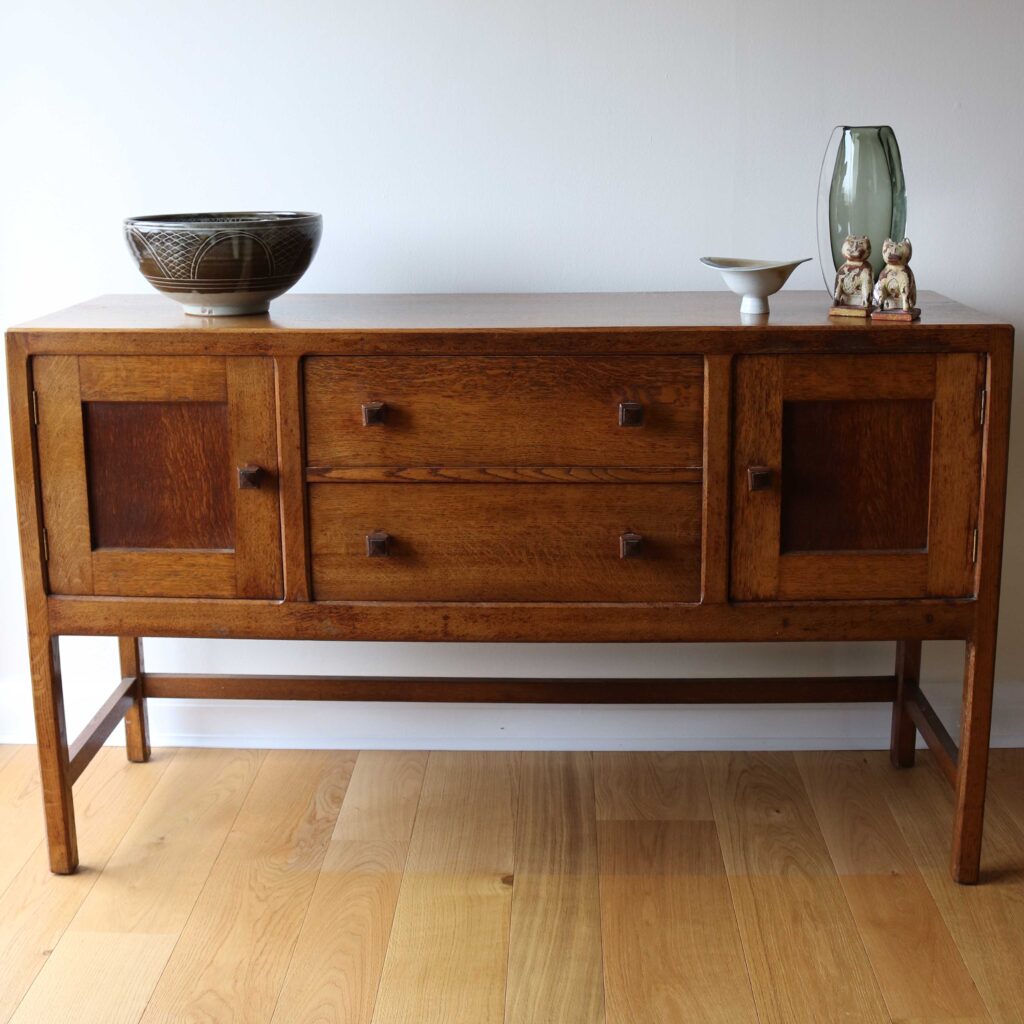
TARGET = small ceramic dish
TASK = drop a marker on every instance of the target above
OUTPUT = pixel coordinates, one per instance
(224, 264)
(755, 280)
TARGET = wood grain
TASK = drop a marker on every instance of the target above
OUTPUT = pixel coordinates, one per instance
(251, 406)
(334, 974)
(140, 904)
(757, 441)
(650, 786)
(136, 722)
(491, 542)
(801, 943)
(37, 907)
(554, 964)
(160, 474)
(544, 312)
(231, 960)
(291, 463)
(382, 796)
(62, 483)
(715, 502)
(914, 958)
(153, 378)
(159, 573)
(495, 411)
(671, 948)
(448, 953)
(986, 921)
(19, 812)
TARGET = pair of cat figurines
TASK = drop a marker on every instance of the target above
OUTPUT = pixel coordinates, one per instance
(894, 296)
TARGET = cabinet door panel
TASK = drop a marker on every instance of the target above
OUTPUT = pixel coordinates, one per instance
(875, 468)
(139, 462)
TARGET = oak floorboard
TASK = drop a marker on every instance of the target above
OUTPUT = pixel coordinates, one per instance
(448, 953)
(21, 811)
(672, 951)
(335, 969)
(1006, 783)
(650, 786)
(915, 960)
(803, 950)
(985, 920)
(38, 906)
(230, 961)
(554, 964)
(382, 796)
(146, 891)
(336, 966)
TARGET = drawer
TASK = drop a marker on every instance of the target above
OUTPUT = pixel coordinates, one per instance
(502, 411)
(505, 542)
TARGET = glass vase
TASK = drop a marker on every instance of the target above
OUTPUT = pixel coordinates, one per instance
(861, 191)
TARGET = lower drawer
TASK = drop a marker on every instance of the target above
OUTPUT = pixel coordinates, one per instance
(505, 542)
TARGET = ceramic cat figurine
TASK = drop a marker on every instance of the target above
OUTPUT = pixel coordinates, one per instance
(852, 292)
(896, 289)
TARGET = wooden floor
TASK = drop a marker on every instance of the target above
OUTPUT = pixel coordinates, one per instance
(535, 888)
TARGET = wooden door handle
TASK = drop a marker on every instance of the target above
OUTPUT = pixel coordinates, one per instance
(631, 545)
(374, 413)
(760, 478)
(378, 544)
(631, 414)
(249, 477)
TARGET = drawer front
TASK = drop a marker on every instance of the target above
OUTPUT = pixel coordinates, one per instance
(505, 542)
(502, 411)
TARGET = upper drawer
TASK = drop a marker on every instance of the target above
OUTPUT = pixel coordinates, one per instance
(501, 411)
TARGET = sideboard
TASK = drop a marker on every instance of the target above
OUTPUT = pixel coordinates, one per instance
(597, 467)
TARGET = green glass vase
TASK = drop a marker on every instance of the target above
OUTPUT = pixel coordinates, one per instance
(861, 191)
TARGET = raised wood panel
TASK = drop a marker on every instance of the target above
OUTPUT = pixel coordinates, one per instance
(505, 542)
(153, 379)
(497, 411)
(855, 475)
(159, 474)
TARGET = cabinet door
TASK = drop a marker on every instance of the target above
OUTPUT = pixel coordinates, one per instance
(855, 476)
(139, 461)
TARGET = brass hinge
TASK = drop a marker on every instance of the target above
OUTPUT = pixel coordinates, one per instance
(981, 407)
(974, 547)
(35, 408)
(46, 546)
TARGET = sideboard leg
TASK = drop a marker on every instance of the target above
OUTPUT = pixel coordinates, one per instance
(136, 721)
(972, 764)
(908, 676)
(52, 743)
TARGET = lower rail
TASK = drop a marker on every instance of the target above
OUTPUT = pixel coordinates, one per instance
(830, 689)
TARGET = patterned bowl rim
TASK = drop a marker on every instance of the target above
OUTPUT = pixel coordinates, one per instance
(200, 221)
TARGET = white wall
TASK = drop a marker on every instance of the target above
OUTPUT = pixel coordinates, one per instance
(526, 145)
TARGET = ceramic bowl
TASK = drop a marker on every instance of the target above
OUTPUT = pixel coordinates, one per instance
(223, 264)
(755, 280)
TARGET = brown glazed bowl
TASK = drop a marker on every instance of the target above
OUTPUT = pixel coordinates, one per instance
(223, 264)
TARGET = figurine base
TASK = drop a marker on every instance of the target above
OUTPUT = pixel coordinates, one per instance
(899, 315)
(860, 311)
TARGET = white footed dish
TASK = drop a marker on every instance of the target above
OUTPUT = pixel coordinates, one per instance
(755, 280)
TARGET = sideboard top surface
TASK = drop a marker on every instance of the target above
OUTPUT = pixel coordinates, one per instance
(479, 311)
(652, 322)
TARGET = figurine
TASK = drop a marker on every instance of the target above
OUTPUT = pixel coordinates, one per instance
(896, 289)
(852, 293)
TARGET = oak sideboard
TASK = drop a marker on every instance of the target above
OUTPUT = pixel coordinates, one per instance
(595, 467)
